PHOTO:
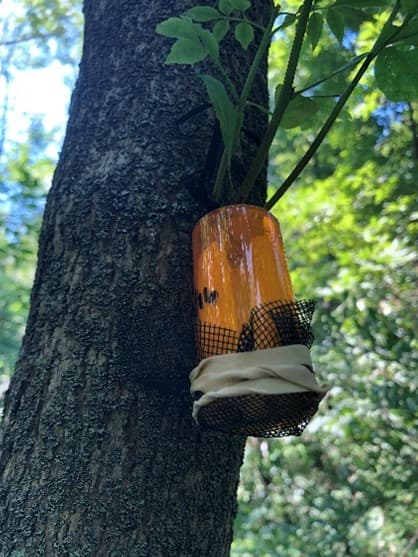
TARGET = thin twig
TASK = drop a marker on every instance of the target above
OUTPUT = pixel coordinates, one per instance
(243, 20)
(377, 48)
(225, 162)
(28, 38)
(286, 94)
(343, 68)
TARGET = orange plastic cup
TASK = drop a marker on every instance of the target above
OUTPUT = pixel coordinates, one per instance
(239, 263)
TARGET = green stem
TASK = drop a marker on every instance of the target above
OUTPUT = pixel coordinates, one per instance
(320, 137)
(220, 176)
(260, 107)
(228, 80)
(343, 68)
(243, 20)
(265, 41)
(225, 161)
(283, 25)
(286, 94)
(377, 48)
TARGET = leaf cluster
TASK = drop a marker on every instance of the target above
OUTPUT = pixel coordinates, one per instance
(200, 30)
(194, 42)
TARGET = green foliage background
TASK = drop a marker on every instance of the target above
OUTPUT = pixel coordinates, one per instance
(348, 486)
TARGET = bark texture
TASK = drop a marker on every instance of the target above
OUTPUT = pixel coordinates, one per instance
(99, 455)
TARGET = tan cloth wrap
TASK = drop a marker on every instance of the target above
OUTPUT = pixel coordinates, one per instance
(273, 371)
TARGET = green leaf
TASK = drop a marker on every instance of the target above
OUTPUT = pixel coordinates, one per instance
(335, 20)
(244, 34)
(288, 20)
(409, 7)
(354, 17)
(362, 3)
(241, 5)
(228, 6)
(314, 29)
(299, 112)
(224, 110)
(388, 31)
(210, 42)
(220, 29)
(225, 6)
(203, 13)
(396, 73)
(186, 51)
(177, 28)
(409, 33)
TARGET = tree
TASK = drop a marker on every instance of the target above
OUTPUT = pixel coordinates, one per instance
(99, 452)
(79, 407)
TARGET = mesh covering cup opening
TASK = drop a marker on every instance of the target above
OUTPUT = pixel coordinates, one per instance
(269, 325)
(259, 415)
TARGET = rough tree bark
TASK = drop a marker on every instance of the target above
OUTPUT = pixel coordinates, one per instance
(99, 452)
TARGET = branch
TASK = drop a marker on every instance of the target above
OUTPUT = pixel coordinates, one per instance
(27, 38)
(245, 20)
(320, 137)
(343, 68)
(377, 48)
(286, 94)
(224, 166)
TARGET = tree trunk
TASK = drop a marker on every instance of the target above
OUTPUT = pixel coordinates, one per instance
(99, 452)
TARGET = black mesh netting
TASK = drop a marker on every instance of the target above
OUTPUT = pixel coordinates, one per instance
(269, 325)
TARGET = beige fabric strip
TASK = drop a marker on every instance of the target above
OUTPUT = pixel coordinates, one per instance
(280, 370)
